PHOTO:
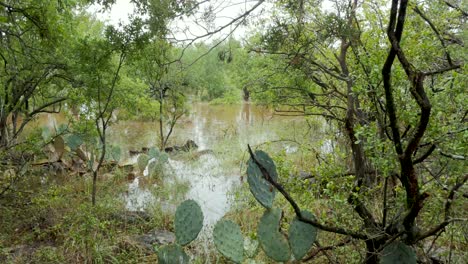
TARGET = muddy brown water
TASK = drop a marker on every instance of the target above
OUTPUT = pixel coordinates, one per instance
(211, 178)
(222, 128)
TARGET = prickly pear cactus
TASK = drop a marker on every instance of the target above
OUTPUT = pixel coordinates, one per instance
(251, 247)
(274, 244)
(163, 158)
(228, 240)
(301, 236)
(261, 189)
(46, 133)
(398, 252)
(154, 152)
(160, 157)
(142, 161)
(172, 254)
(152, 168)
(113, 153)
(188, 222)
(73, 141)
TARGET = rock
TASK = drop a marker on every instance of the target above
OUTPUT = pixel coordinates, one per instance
(188, 146)
(133, 152)
(156, 237)
(131, 176)
(145, 150)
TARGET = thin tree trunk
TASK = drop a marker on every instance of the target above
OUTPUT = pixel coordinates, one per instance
(161, 131)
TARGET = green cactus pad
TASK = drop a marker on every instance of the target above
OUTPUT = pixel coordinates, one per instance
(163, 158)
(274, 244)
(188, 222)
(251, 247)
(172, 254)
(228, 240)
(152, 168)
(142, 161)
(154, 152)
(113, 153)
(73, 141)
(261, 189)
(398, 252)
(46, 133)
(301, 236)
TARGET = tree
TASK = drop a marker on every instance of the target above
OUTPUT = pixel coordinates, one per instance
(327, 62)
(34, 67)
(163, 76)
(101, 62)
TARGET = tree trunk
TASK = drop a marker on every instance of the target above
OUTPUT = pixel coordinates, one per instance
(161, 131)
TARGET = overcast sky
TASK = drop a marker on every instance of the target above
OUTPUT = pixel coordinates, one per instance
(188, 28)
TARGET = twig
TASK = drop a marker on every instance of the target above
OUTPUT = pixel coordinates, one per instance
(331, 247)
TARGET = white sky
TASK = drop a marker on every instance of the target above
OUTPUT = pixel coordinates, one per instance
(188, 28)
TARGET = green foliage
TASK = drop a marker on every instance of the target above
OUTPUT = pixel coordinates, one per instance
(228, 239)
(302, 236)
(262, 190)
(398, 252)
(273, 242)
(172, 254)
(188, 222)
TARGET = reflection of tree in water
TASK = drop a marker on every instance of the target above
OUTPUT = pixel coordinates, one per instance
(246, 113)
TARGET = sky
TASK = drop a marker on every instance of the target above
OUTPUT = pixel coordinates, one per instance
(192, 27)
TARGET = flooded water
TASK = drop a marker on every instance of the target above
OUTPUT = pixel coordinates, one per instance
(224, 129)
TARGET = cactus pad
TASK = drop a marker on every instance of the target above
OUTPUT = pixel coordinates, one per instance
(302, 236)
(154, 152)
(274, 244)
(398, 252)
(172, 254)
(113, 153)
(228, 240)
(142, 161)
(261, 189)
(73, 141)
(251, 247)
(188, 222)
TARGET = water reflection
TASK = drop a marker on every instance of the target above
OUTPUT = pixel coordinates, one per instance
(209, 177)
(209, 185)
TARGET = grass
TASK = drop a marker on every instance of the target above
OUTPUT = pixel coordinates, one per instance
(57, 223)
